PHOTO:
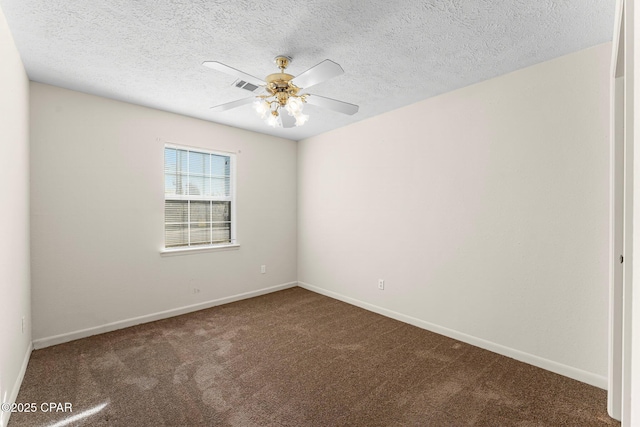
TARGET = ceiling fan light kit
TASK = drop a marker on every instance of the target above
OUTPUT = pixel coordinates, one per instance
(280, 92)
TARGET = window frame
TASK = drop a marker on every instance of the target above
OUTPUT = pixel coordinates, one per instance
(233, 244)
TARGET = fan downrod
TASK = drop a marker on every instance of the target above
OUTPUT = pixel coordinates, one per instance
(282, 62)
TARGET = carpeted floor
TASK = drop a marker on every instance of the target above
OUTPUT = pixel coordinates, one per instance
(295, 358)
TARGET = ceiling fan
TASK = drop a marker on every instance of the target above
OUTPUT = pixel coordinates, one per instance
(280, 91)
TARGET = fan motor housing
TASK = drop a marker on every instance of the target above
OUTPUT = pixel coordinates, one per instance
(279, 84)
(279, 78)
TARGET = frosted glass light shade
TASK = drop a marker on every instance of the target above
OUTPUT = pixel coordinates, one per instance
(262, 107)
(274, 120)
(301, 119)
(294, 105)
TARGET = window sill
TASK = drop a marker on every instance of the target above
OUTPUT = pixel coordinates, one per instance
(194, 250)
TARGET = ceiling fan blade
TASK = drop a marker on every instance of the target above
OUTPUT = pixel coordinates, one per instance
(287, 120)
(324, 71)
(332, 104)
(233, 104)
(219, 66)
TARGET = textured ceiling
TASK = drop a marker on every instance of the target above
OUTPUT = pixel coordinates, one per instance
(394, 53)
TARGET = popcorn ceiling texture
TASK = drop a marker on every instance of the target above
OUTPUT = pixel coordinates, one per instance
(393, 53)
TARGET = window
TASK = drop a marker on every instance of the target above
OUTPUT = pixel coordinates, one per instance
(198, 198)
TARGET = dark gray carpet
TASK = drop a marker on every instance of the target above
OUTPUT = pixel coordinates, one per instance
(296, 358)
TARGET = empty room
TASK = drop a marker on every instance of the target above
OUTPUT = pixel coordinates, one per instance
(324, 213)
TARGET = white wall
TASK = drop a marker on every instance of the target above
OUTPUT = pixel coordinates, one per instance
(97, 214)
(14, 219)
(631, 381)
(484, 209)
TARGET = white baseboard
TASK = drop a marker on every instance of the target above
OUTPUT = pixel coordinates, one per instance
(71, 336)
(558, 368)
(4, 416)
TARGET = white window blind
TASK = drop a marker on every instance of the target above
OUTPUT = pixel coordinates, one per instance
(198, 197)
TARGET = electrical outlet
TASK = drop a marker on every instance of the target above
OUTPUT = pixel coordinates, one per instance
(263, 269)
(381, 284)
